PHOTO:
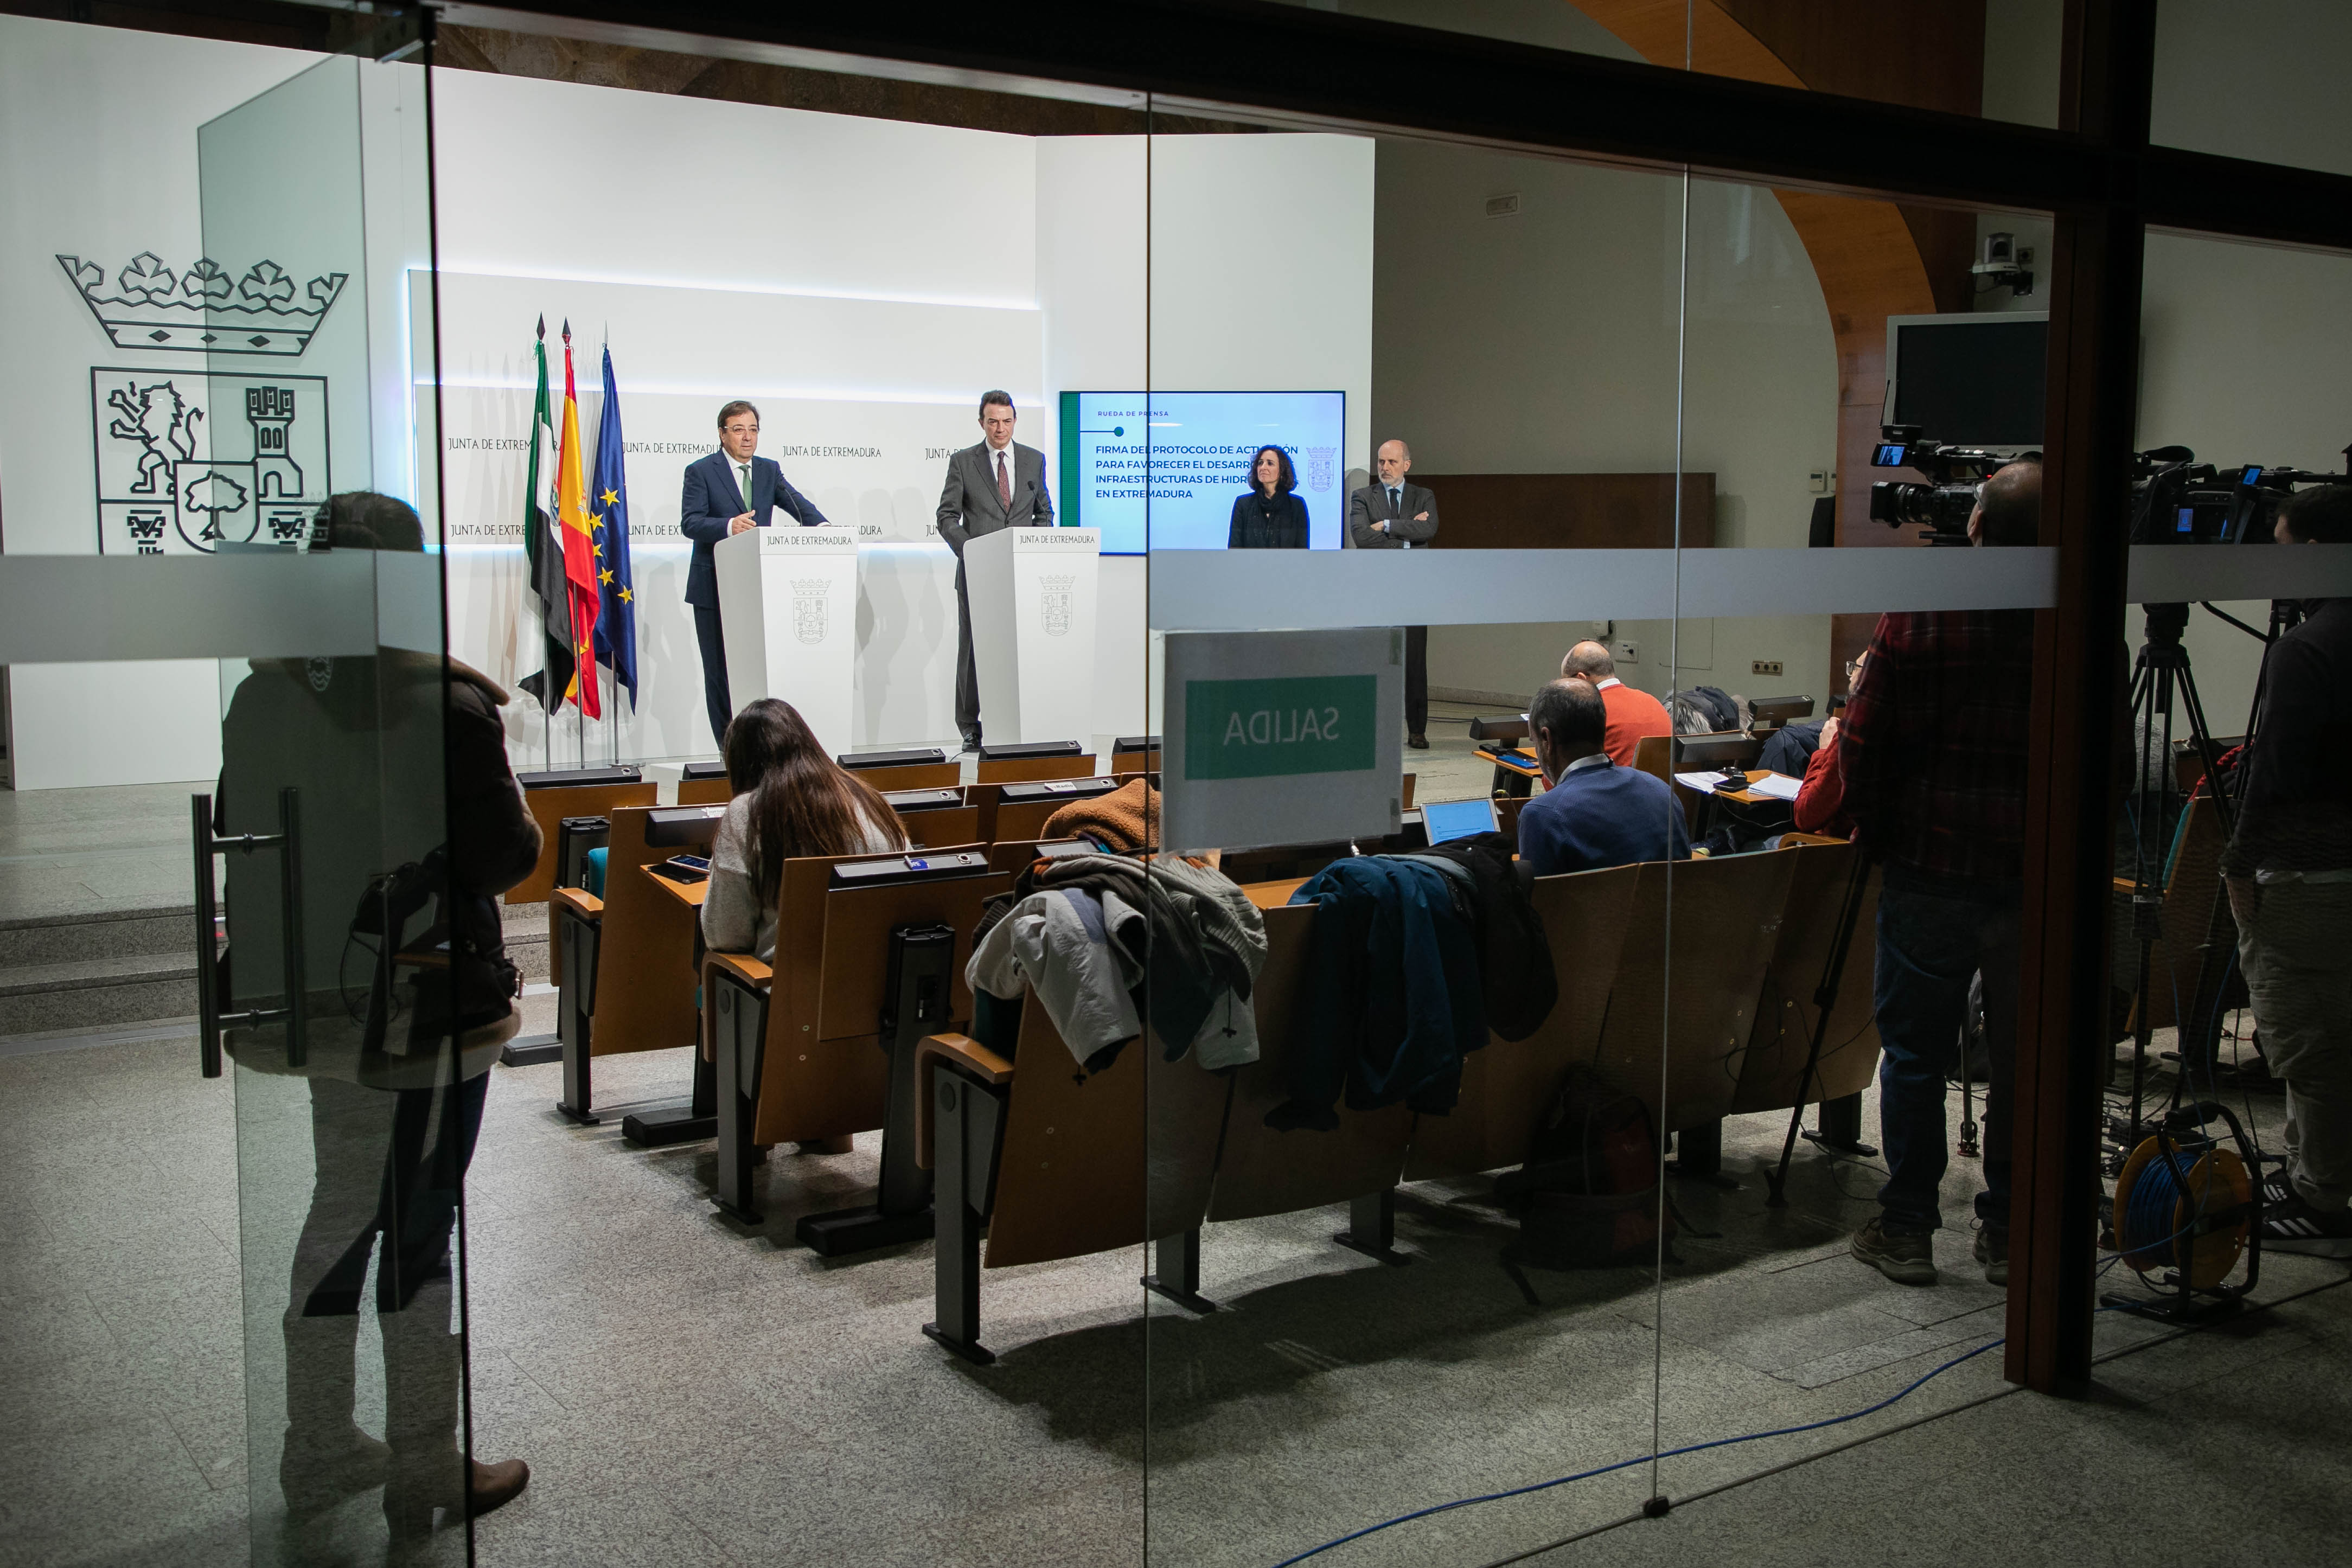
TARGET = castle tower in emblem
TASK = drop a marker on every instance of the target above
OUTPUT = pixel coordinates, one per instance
(269, 410)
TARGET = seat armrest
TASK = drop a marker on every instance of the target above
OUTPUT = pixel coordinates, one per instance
(1794, 841)
(966, 1054)
(744, 967)
(580, 901)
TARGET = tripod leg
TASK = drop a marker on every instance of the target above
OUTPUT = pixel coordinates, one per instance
(1825, 1002)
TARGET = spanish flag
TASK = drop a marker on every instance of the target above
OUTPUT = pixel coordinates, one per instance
(580, 547)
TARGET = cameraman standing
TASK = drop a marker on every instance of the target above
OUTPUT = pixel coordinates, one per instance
(2289, 872)
(1933, 753)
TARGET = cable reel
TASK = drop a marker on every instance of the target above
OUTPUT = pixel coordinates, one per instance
(2185, 1205)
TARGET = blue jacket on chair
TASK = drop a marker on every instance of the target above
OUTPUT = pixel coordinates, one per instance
(1602, 815)
(713, 494)
(1392, 999)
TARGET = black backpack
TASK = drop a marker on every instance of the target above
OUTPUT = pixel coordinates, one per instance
(1588, 1195)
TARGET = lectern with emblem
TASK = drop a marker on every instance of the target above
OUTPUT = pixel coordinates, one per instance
(1033, 631)
(788, 601)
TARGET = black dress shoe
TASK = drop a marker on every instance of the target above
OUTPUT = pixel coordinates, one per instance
(1418, 742)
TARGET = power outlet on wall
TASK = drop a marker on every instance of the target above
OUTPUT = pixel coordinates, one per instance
(1625, 653)
(1765, 667)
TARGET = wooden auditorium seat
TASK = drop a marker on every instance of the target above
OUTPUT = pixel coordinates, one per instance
(1031, 761)
(629, 971)
(1508, 1087)
(1049, 1161)
(915, 768)
(798, 1048)
(1785, 1013)
(1681, 1049)
(578, 792)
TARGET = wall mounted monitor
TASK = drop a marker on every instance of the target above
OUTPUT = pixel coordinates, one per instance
(1970, 379)
(1163, 471)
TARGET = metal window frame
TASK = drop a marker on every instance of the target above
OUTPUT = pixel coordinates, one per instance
(2099, 177)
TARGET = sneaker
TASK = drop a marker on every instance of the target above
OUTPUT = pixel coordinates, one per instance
(2296, 1226)
(1993, 1251)
(1905, 1258)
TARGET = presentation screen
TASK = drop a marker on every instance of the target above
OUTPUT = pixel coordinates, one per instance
(1195, 448)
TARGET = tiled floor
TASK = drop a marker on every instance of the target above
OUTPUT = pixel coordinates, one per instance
(689, 1391)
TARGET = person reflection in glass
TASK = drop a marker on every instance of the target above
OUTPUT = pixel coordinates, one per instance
(1269, 515)
(410, 823)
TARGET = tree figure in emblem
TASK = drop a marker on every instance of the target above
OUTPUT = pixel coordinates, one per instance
(212, 494)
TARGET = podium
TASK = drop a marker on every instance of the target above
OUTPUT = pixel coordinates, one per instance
(1032, 593)
(788, 607)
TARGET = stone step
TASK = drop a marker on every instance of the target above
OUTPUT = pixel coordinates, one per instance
(132, 988)
(108, 934)
(137, 965)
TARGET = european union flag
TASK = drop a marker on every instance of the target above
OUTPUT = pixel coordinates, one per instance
(608, 527)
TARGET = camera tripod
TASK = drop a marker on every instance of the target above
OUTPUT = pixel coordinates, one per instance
(2161, 673)
(2163, 669)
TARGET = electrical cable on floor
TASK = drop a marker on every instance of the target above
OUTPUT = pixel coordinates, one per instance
(1999, 1394)
(1642, 1460)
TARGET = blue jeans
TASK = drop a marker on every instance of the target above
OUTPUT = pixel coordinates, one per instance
(1934, 933)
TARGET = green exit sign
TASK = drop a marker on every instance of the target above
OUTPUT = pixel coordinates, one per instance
(1280, 727)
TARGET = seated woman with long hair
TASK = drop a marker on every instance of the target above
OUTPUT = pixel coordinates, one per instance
(791, 800)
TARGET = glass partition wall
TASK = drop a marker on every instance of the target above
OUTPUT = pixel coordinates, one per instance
(1490, 949)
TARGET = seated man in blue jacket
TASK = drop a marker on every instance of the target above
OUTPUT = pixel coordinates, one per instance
(1592, 814)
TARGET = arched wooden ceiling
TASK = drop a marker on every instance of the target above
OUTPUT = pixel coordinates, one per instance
(1875, 259)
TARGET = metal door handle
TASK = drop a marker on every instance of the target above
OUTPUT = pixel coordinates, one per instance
(215, 1012)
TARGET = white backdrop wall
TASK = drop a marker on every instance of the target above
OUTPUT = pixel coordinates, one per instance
(979, 259)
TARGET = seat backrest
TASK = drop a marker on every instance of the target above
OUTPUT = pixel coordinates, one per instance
(821, 1074)
(1263, 1171)
(1098, 1161)
(938, 828)
(1781, 1034)
(1726, 913)
(1506, 1087)
(1654, 755)
(549, 806)
(913, 775)
(645, 964)
(1021, 769)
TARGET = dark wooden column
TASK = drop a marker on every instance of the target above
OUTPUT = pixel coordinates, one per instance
(2094, 312)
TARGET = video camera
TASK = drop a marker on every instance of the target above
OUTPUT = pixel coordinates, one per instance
(2178, 500)
(1941, 507)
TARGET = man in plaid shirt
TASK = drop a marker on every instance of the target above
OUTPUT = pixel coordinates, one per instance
(1933, 755)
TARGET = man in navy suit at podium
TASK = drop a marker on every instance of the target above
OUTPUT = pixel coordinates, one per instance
(726, 493)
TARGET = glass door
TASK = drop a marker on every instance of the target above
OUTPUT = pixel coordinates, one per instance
(359, 991)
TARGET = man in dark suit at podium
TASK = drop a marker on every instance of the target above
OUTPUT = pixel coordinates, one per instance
(1393, 515)
(995, 484)
(726, 493)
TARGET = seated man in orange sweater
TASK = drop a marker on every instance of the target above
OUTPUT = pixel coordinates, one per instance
(1632, 714)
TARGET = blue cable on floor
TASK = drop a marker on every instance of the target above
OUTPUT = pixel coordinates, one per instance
(1642, 1460)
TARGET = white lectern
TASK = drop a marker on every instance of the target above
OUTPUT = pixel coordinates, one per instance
(788, 605)
(1032, 632)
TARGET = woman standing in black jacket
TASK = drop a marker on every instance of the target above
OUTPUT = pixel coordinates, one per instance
(1271, 516)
